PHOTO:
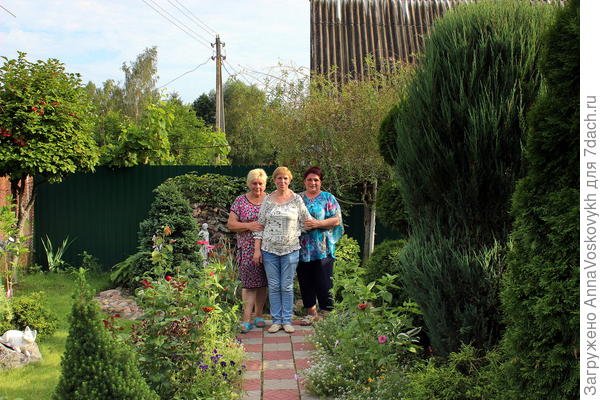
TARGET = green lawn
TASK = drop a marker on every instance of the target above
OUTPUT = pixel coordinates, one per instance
(37, 381)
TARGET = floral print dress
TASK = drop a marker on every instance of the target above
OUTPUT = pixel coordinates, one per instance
(252, 276)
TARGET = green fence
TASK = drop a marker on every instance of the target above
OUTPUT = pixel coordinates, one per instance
(101, 211)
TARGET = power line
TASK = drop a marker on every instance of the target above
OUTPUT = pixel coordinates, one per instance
(185, 29)
(190, 15)
(185, 73)
(235, 73)
(7, 10)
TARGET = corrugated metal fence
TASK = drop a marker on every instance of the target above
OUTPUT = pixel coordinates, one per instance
(102, 210)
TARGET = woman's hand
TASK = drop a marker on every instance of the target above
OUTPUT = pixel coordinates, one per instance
(310, 224)
(257, 257)
(254, 226)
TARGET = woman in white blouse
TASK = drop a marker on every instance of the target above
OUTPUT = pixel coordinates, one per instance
(282, 214)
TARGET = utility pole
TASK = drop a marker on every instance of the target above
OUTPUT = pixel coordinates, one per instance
(220, 109)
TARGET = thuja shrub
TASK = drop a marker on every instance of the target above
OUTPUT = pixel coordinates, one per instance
(170, 208)
(457, 167)
(541, 287)
(96, 366)
(390, 208)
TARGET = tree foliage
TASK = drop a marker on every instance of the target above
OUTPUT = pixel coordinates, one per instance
(45, 120)
(205, 107)
(45, 126)
(541, 291)
(135, 126)
(457, 155)
(192, 141)
(244, 106)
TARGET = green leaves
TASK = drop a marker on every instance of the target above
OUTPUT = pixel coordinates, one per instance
(47, 114)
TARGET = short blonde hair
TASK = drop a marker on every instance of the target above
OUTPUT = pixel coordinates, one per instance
(282, 171)
(257, 173)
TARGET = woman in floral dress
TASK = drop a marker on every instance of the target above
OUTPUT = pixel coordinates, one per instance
(243, 221)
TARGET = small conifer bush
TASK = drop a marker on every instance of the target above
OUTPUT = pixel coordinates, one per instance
(95, 366)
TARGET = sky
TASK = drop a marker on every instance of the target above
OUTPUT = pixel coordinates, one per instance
(95, 37)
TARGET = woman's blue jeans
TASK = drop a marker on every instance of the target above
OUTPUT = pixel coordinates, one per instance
(280, 275)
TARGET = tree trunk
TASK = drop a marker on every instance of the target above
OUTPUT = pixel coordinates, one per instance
(22, 207)
(369, 196)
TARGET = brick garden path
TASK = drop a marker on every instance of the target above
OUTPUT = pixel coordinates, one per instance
(274, 363)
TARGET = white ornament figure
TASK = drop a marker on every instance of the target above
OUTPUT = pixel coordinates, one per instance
(204, 242)
(17, 339)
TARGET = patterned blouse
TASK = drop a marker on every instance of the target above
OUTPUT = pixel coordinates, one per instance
(283, 224)
(318, 244)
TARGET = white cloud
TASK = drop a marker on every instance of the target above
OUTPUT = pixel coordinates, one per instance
(94, 38)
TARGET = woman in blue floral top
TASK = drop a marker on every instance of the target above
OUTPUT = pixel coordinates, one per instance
(317, 252)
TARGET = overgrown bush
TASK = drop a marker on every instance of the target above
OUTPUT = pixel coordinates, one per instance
(364, 340)
(384, 260)
(30, 310)
(541, 287)
(186, 336)
(6, 314)
(95, 366)
(127, 273)
(457, 167)
(169, 210)
(466, 375)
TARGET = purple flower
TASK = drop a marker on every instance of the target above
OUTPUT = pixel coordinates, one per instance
(382, 339)
(223, 364)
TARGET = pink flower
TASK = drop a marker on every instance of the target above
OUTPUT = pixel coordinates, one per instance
(382, 339)
(202, 242)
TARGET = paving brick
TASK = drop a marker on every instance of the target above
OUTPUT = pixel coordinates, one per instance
(280, 333)
(278, 339)
(278, 355)
(280, 374)
(300, 332)
(253, 347)
(278, 364)
(246, 341)
(255, 333)
(287, 346)
(299, 339)
(304, 395)
(256, 355)
(303, 346)
(302, 354)
(252, 374)
(281, 394)
(251, 384)
(253, 365)
(302, 364)
(252, 395)
(271, 384)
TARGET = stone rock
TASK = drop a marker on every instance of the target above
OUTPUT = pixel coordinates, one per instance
(115, 301)
(10, 358)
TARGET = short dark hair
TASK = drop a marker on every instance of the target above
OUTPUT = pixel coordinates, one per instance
(314, 170)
